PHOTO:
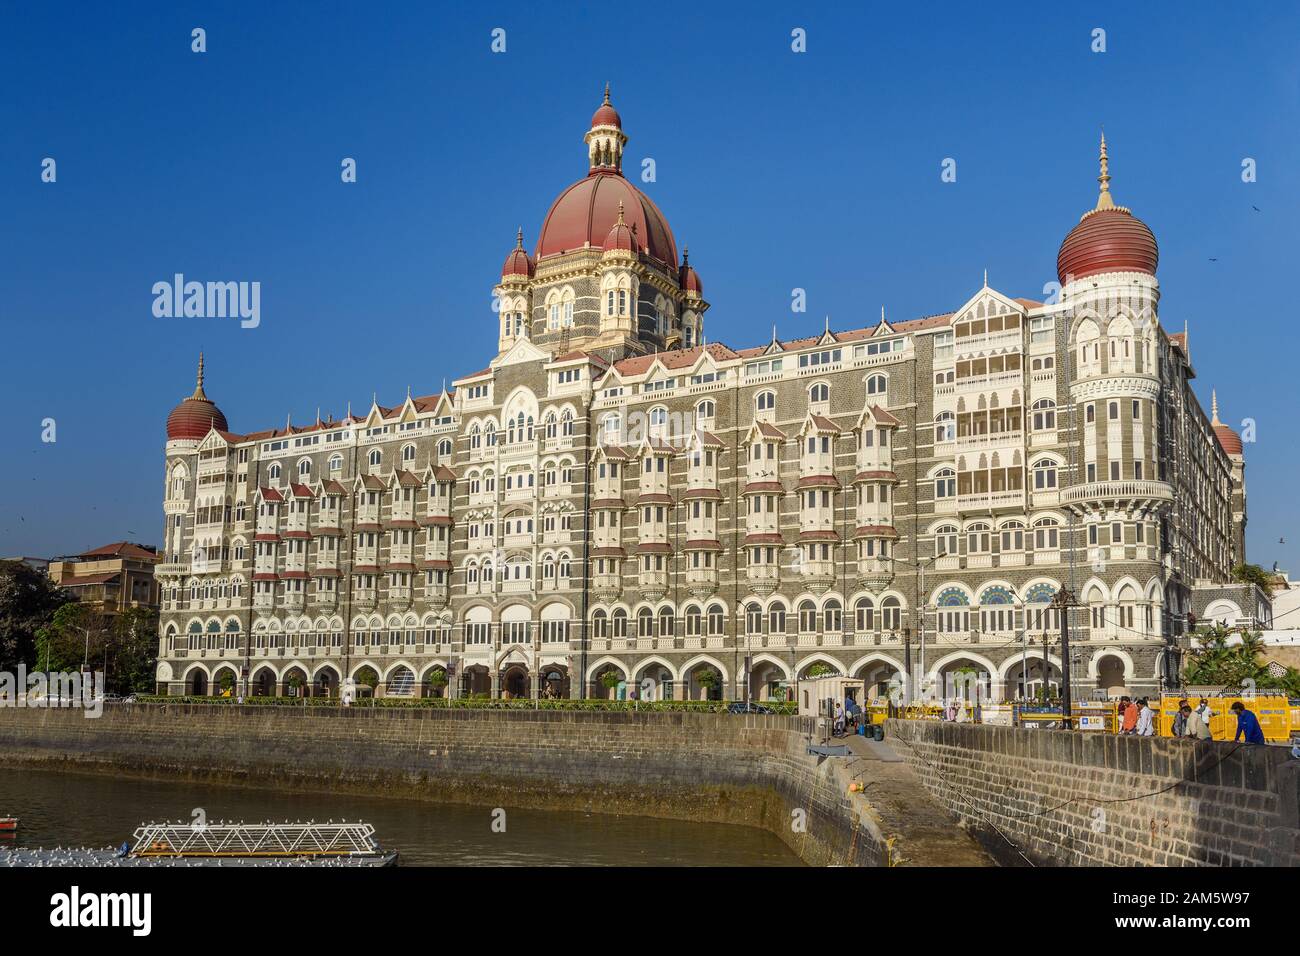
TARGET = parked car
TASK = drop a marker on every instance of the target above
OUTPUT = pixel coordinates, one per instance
(741, 707)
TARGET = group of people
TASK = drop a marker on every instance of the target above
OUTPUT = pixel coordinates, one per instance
(1138, 718)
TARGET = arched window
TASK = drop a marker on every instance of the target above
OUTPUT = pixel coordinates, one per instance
(566, 423)
(274, 472)
(819, 393)
(864, 614)
(549, 425)
(444, 449)
(717, 620)
(620, 623)
(776, 618)
(977, 539)
(765, 402)
(945, 427)
(705, 410)
(945, 540)
(807, 617)
(832, 617)
(877, 385)
(666, 622)
(891, 614)
(408, 453)
(753, 619)
(1044, 474)
(1044, 417)
(693, 621)
(945, 483)
(645, 623)
(304, 468)
(375, 457)
(336, 463)
(1046, 534)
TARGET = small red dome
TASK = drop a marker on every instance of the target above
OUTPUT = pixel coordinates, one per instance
(519, 262)
(1228, 439)
(688, 278)
(196, 415)
(1107, 240)
(606, 115)
(621, 236)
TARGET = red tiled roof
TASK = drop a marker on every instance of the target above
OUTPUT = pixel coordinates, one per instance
(407, 480)
(824, 424)
(675, 359)
(654, 547)
(608, 553)
(875, 476)
(436, 520)
(711, 494)
(443, 474)
(819, 536)
(875, 531)
(652, 499)
(301, 491)
(332, 487)
(818, 481)
(764, 539)
(296, 534)
(607, 503)
(704, 544)
(372, 483)
(433, 565)
(763, 487)
(293, 575)
(270, 494)
(883, 417)
(121, 549)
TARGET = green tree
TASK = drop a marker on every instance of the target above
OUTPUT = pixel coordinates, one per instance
(820, 670)
(28, 601)
(76, 636)
(1253, 574)
(133, 651)
(1216, 662)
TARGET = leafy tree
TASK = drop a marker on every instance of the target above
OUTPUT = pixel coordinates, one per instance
(28, 601)
(1217, 662)
(820, 670)
(133, 651)
(1253, 574)
(76, 637)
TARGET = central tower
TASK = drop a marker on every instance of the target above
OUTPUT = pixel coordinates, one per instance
(605, 274)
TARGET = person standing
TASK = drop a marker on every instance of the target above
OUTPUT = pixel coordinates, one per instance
(1146, 719)
(1180, 719)
(1205, 713)
(1247, 725)
(1128, 717)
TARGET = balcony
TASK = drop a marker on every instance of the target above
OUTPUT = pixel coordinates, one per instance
(1139, 492)
(763, 578)
(702, 582)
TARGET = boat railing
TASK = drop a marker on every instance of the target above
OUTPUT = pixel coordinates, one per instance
(254, 839)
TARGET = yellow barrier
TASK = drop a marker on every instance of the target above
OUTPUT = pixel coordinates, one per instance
(1276, 717)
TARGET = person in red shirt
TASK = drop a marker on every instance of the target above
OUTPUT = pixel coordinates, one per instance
(1129, 717)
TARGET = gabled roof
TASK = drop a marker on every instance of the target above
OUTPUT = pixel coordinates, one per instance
(673, 360)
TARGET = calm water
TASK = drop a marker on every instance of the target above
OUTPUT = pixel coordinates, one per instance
(70, 809)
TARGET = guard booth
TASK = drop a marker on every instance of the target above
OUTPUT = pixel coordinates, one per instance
(817, 697)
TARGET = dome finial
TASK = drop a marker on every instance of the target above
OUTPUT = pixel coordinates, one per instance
(620, 212)
(686, 255)
(607, 92)
(519, 238)
(1104, 200)
(198, 386)
(1214, 407)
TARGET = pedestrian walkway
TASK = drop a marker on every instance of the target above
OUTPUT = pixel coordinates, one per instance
(926, 834)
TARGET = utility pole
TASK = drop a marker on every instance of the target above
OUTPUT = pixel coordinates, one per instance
(907, 665)
(1063, 600)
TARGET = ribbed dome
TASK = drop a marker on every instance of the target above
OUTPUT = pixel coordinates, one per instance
(586, 212)
(196, 415)
(1107, 240)
(1228, 439)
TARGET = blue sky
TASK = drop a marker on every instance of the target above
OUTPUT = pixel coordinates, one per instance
(779, 170)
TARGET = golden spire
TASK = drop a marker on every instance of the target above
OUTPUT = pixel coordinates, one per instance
(1103, 198)
(620, 212)
(198, 387)
(607, 92)
(1214, 408)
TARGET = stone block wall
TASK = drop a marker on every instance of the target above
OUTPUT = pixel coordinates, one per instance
(751, 770)
(1100, 799)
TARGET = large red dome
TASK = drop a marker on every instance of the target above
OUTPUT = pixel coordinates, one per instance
(1107, 240)
(585, 213)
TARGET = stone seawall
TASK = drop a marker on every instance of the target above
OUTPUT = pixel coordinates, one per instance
(1099, 799)
(751, 770)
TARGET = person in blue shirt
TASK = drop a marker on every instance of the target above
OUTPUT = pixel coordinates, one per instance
(1247, 724)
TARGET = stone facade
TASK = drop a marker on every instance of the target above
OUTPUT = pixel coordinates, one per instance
(899, 502)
